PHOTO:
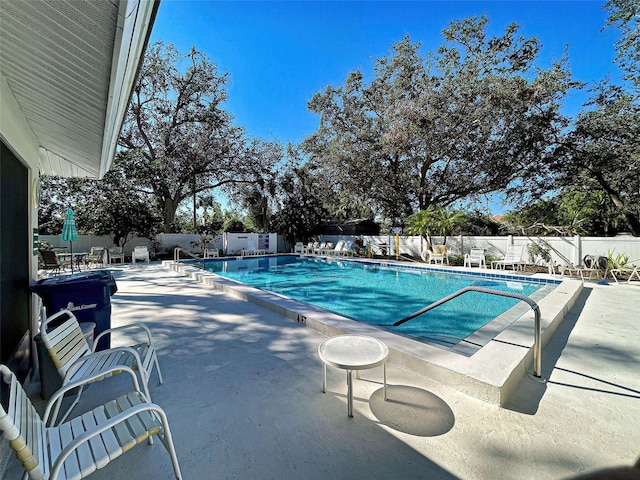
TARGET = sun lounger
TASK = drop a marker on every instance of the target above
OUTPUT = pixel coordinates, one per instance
(512, 258)
(631, 271)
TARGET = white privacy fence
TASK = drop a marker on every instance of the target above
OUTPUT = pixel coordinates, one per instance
(564, 250)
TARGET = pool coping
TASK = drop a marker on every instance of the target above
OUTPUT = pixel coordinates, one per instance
(491, 374)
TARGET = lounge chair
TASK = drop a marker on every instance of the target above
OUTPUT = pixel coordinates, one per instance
(298, 247)
(79, 447)
(475, 256)
(512, 258)
(593, 265)
(319, 247)
(309, 248)
(51, 261)
(75, 359)
(115, 253)
(330, 249)
(631, 271)
(140, 253)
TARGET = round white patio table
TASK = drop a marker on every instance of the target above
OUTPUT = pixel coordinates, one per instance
(352, 352)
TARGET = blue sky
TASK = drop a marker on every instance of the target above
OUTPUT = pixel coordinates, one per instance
(279, 54)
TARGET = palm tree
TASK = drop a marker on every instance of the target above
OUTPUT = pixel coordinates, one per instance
(434, 221)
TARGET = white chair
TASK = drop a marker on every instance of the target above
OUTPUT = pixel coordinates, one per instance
(97, 257)
(74, 359)
(512, 258)
(332, 249)
(631, 271)
(298, 247)
(211, 252)
(140, 253)
(475, 256)
(79, 447)
(437, 255)
(115, 253)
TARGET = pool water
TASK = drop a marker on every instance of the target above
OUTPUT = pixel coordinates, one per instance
(380, 294)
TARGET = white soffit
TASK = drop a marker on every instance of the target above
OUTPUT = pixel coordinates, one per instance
(71, 65)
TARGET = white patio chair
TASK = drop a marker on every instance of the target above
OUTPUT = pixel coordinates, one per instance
(74, 359)
(79, 447)
(115, 253)
(298, 247)
(512, 258)
(140, 253)
(475, 256)
(96, 257)
(437, 255)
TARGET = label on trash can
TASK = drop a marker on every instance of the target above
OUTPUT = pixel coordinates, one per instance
(73, 308)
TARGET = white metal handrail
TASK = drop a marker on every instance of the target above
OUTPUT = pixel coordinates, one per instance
(537, 343)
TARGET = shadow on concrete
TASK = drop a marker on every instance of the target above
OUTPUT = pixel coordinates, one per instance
(412, 410)
(526, 398)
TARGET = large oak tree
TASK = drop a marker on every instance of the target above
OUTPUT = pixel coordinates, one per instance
(473, 118)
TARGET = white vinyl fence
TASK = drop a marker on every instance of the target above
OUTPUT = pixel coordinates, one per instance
(564, 250)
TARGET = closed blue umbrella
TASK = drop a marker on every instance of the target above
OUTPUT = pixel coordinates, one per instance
(69, 232)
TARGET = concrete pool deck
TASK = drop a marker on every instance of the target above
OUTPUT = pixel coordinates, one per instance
(243, 394)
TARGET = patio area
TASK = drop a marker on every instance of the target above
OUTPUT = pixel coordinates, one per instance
(243, 393)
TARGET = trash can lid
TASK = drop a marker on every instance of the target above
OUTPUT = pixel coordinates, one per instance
(79, 280)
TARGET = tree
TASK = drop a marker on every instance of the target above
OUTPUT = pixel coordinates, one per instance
(177, 138)
(260, 193)
(468, 120)
(625, 14)
(111, 206)
(605, 152)
(300, 210)
(434, 221)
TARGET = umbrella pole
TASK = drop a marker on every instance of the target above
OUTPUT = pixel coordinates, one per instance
(71, 252)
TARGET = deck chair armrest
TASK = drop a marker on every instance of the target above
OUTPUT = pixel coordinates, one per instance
(112, 422)
(59, 394)
(133, 326)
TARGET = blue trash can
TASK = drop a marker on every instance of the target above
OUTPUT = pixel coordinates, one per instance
(87, 295)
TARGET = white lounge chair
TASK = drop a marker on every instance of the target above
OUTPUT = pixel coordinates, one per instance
(475, 256)
(512, 258)
(631, 271)
(74, 358)
(592, 265)
(333, 250)
(140, 253)
(298, 247)
(79, 447)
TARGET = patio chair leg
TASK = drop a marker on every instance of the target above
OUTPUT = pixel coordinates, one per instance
(155, 359)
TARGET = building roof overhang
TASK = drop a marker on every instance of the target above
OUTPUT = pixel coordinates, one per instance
(70, 67)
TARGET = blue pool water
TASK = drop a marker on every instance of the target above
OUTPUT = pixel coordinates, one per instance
(378, 294)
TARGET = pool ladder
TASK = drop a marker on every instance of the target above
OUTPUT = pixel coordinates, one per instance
(176, 257)
(537, 343)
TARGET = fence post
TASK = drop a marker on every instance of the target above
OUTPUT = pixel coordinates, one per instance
(578, 250)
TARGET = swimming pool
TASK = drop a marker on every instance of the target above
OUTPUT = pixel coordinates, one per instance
(380, 295)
